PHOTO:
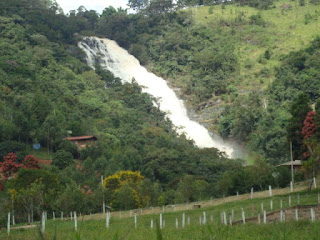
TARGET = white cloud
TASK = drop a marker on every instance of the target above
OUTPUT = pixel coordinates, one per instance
(97, 5)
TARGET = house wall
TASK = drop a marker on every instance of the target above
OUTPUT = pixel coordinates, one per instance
(84, 143)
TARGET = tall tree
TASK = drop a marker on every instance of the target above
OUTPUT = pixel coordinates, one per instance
(299, 110)
(138, 5)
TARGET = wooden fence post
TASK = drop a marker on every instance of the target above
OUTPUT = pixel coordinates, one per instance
(271, 204)
(264, 217)
(270, 191)
(13, 219)
(8, 224)
(151, 223)
(225, 218)
(314, 182)
(204, 218)
(75, 221)
(243, 216)
(312, 215)
(43, 222)
(183, 220)
(280, 203)
(289, 200)
(32, 211)
(135, 220)
(161, 221)
(232, 214)
(251, 196)
(297, 214)
(291, 186)
(252, 210)
(188, 220)
(108, 219)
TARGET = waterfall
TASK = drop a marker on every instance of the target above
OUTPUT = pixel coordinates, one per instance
(125, 66)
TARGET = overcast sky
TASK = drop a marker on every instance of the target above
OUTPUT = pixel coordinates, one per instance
(97, 5)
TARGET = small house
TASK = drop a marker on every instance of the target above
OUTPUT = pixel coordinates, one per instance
(82, 141)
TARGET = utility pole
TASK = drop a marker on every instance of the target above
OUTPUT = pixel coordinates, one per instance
(291, 156)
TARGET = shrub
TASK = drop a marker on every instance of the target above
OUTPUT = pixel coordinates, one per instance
(31, 162)
(257, 20)
(69, 147)
(62, 159)
(267, 54)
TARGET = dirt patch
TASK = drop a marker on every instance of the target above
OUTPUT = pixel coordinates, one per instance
(288, 214)
(24, 227)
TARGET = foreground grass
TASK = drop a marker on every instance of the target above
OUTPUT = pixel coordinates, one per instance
(123, 228)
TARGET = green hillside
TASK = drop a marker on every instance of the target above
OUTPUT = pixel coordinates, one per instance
(284, 28)
(251, 73)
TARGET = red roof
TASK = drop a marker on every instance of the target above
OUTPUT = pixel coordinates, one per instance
(80, 138)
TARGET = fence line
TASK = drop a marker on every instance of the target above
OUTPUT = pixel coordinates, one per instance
(187, 206)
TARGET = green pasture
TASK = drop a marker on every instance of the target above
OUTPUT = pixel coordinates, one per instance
(123, 228)
(288, 27)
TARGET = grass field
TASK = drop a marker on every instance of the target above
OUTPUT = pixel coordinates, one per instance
(90, 227)
(124, 229)
(41, 154)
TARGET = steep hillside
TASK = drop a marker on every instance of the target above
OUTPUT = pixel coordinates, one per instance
(228, 58)
(286, 27)
(258, 40)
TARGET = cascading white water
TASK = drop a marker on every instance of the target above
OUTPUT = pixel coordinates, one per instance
(125, 66)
